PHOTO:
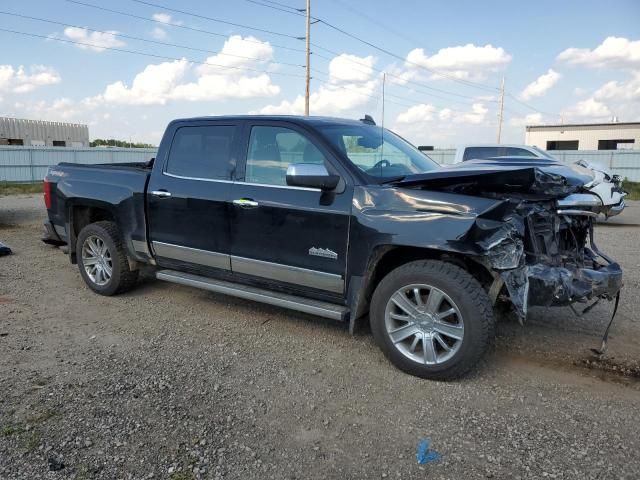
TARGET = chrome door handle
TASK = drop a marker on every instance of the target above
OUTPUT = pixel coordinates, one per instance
(245, 203)
(161, 193)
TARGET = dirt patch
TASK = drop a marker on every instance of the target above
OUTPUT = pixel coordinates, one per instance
(172, 382)
(611, 366)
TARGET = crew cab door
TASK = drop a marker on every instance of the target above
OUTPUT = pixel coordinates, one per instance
(288, 235)
(188, 194)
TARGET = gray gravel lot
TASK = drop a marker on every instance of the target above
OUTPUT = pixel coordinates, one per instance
(173, 382)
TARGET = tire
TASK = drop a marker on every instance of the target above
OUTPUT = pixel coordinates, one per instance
(104, 234)
(459, 338)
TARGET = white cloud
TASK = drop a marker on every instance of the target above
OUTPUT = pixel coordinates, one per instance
(418, 113)
(424, 113)
(95, 41)
(159, 33)
(425, 124)
(14, 80)
(589, 109)
(345, 91)
(161, 17)
(541, 85)
(465, 61)
(620, 98)
(327, 100)
(154, 85)
(61, 109)
(612, 52)
(530, 119)
(347, 68)
(620, 91)
(224, 76)
(238, 52)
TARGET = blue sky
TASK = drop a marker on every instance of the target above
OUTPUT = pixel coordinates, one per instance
(570, 61)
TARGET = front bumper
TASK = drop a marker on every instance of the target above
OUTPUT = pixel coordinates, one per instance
(550, 286)
(546, 285)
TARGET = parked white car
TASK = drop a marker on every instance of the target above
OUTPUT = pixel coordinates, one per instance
(606, 185)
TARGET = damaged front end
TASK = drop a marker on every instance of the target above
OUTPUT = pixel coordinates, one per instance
(538, 240)
(546, 256)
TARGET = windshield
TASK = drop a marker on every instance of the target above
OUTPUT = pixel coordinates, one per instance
(543, 153)
(377, 152)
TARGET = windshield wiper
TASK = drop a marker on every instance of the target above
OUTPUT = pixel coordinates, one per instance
(393, 179)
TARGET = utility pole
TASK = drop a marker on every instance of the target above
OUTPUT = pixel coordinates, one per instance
(501, 114)
(308, 75)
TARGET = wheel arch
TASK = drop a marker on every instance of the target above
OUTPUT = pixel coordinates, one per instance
(385, 258)
(82, 214)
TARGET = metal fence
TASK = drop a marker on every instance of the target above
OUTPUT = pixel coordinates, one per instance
(625, 163)
(29, 164)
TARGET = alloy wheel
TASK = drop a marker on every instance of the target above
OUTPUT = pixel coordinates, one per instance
(424, 324)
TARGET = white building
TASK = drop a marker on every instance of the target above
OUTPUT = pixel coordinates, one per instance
(587, 136)
(18, 131)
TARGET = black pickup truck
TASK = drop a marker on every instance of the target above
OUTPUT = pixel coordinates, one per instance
(340, 218)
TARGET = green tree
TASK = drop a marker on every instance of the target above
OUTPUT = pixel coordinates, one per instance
(112, 142)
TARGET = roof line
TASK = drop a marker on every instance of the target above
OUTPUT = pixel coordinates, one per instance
(568, 125)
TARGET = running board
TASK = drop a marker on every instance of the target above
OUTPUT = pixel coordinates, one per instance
(292, 302)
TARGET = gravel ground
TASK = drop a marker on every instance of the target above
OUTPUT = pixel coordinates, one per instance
(173, 382)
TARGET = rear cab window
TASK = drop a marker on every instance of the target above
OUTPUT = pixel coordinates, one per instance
(481, 153)
(202, 152)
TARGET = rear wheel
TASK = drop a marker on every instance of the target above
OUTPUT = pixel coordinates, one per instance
(102, 259)
(432, 319)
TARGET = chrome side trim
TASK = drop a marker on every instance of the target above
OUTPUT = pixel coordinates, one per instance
(240, 182)
(192, 255)
(309, 189)
(288, 274)
(313, 307)
(216, 180)
(141, 247)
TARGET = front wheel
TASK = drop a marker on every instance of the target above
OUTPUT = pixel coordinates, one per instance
(102, 259)
(432, 319)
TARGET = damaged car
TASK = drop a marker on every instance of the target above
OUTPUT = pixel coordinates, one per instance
(345, 220)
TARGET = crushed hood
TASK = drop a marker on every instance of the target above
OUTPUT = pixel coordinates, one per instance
(505, 175)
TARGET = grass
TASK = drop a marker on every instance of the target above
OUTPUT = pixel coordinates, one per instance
(181, 476)
(31, 441)
(44, 416)
(8, 430)
(633, 188)
(8, 188)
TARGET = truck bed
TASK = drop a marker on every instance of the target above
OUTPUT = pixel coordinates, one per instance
(116, 188)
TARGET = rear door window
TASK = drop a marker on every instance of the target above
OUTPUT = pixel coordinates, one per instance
(202, 152)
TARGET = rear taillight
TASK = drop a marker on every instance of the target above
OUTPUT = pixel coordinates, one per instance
(46, 187)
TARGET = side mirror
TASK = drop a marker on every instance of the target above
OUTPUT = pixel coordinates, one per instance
(311, 175)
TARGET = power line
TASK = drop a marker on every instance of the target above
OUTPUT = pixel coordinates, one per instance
(145, 54)
(405, 80)
(156, 42)
(283, 5)
(358, 90)
(177, 25)
(213, 19)
(292, 10)
(513, 97)
(399, 57)
(360, 14)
